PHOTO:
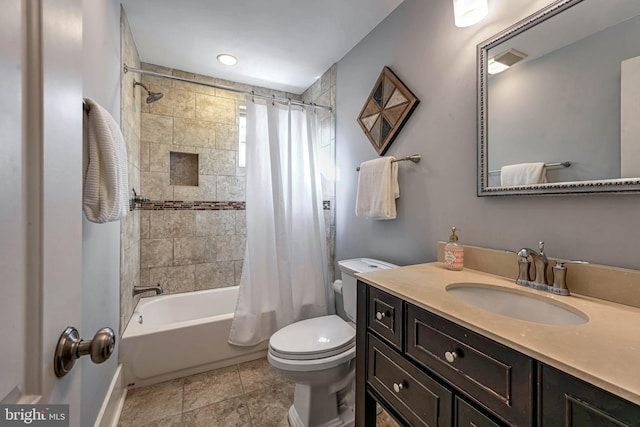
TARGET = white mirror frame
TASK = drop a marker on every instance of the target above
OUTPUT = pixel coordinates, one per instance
(623, 185)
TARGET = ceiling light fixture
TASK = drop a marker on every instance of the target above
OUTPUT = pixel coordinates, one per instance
(469, 12)
(504, 60)
(226, 59)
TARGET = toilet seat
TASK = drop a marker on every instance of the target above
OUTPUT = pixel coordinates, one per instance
(314, 338)
(313, 344)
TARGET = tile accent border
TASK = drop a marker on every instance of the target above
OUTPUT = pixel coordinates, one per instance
(175, 205)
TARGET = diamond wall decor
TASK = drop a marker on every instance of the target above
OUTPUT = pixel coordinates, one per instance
(386, 110)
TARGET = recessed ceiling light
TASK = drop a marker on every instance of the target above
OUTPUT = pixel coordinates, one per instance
(226, 59)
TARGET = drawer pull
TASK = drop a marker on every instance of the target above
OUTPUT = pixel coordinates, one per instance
(380, 315)
(397, 387)
(451, 356)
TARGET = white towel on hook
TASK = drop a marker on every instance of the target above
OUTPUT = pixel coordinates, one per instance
(523, 174)
(378, 188)
(105, 186)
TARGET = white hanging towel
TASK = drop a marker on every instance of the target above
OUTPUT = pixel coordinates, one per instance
(378, 189)
(523, 174)
(106, 186)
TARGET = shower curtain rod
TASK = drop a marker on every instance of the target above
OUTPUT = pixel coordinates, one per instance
(273, 98)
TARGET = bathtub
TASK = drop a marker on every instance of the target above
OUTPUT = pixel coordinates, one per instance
(172, 336)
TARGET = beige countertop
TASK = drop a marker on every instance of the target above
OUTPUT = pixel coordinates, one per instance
(605, 351)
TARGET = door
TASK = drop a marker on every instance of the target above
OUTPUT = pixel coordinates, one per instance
(40, 196)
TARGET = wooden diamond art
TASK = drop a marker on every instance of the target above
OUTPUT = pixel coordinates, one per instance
(386, 110)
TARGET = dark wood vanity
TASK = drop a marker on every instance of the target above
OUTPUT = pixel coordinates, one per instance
(429, 371)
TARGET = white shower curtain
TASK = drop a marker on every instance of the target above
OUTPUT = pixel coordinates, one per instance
(285, 274)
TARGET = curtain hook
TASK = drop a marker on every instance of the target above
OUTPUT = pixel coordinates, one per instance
(252, 97)
(273, 100)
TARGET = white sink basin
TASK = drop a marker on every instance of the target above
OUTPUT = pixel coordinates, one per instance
(516, 304)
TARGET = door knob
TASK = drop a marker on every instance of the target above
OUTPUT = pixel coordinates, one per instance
(70, 347)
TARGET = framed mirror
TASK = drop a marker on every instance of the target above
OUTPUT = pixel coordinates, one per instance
(559, 102)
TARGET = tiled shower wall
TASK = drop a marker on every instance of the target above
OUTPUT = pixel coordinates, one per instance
(186, 245)
(323, 92)
(130, 125)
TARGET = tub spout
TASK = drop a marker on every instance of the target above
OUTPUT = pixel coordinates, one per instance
(141, 289)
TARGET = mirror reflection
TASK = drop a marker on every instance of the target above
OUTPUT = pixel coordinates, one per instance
(562, 98)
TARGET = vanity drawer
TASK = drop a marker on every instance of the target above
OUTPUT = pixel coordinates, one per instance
(421, 400)
(497, 377)
(385, 316)
(468, 416)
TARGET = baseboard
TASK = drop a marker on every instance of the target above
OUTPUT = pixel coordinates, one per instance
(109, 414)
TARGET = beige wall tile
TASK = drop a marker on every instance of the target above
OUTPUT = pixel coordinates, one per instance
(176, 103)
(156, 253)
(194, 133)
(155, 186)
(215, 275)
(218, 162)
(215, 223)
(227, 136)
(175, 279)
(156, 128)
(144, 156)
(144, 224)
(231, 188)
(205, 191)
(144, 278)
(215, 109)
(194, 250)
(241, 222)
(159, 155)
(230, 248)
(159, 82)
(169, 224)
(192, 87)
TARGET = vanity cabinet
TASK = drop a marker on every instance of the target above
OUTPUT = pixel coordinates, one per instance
(428, 371)
(566, 401)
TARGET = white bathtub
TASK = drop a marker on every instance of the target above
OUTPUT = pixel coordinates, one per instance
(171, 336)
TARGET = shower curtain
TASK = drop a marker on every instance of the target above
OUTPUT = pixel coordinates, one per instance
(285, 273)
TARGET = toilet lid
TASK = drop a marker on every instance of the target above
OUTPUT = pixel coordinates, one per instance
(313, 338)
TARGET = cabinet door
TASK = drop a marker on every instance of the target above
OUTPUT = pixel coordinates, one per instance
(566, 401)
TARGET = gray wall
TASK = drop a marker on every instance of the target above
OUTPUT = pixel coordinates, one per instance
(437, 61)
(100, 242)
(559, 89)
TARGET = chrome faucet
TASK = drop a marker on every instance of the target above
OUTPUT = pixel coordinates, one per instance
(141, 289)
(541, 262)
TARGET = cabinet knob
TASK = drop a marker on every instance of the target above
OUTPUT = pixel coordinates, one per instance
(380, 315)
(451, 356)
(397, 387)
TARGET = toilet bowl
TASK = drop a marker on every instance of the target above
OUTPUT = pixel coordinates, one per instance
(318, 356)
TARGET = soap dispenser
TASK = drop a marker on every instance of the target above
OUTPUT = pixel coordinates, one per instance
(453, 252)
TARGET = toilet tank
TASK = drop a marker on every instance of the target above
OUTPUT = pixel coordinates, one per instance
(349, 268)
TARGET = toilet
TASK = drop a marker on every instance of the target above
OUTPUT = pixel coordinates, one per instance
(318, 356)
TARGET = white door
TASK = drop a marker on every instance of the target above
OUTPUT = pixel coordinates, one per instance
(40, 196)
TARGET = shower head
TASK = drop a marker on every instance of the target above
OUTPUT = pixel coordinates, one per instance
(151, 96)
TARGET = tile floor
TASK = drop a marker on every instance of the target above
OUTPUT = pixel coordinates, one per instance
(250, 394)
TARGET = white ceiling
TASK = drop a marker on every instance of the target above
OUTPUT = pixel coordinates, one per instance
(280, 44)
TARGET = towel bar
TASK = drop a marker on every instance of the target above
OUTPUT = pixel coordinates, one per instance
(415, 158)
(547, 165)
